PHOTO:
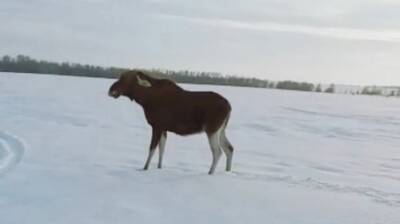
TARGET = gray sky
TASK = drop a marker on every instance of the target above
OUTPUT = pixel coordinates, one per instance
(341, 41)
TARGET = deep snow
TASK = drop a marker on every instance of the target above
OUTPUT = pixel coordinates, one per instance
(71, 154)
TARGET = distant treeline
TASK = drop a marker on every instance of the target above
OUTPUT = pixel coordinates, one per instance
(25, 64)
(304, 86)
(213, 78)
(374, 90)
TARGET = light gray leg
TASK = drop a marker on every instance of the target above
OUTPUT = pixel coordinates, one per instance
(161, 147)
(214, 139)
(228, 150)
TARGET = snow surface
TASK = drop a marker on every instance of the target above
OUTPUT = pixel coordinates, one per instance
(71, 154)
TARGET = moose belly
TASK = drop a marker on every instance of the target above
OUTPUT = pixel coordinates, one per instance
(186, 129)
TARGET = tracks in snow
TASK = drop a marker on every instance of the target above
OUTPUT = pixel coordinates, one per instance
(387, 198)
(11, 152)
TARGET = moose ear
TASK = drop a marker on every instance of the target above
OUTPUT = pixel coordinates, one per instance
(143, 82)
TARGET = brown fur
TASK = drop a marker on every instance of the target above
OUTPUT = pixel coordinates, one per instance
(168, 107)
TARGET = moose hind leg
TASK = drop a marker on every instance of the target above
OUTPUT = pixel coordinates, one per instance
(161, 147)
(228, 150)
(214, 140)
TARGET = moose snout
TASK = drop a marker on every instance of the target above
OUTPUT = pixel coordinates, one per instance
(113, 93)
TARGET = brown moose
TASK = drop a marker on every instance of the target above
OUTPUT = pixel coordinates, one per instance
(168, 107)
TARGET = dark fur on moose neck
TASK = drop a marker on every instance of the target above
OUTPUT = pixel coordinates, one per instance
(140, 95)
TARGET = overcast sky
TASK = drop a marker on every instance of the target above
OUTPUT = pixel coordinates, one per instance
(340, 41)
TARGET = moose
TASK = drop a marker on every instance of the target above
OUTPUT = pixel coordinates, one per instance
(170, 108)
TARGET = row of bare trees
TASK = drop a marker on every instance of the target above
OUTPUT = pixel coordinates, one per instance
(25, 64)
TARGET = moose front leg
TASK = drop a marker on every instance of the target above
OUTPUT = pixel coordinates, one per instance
(155, 139)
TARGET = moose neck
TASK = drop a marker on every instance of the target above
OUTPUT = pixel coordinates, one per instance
(141, 95)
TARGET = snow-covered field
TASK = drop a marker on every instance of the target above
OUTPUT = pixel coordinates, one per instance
(71, 154)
